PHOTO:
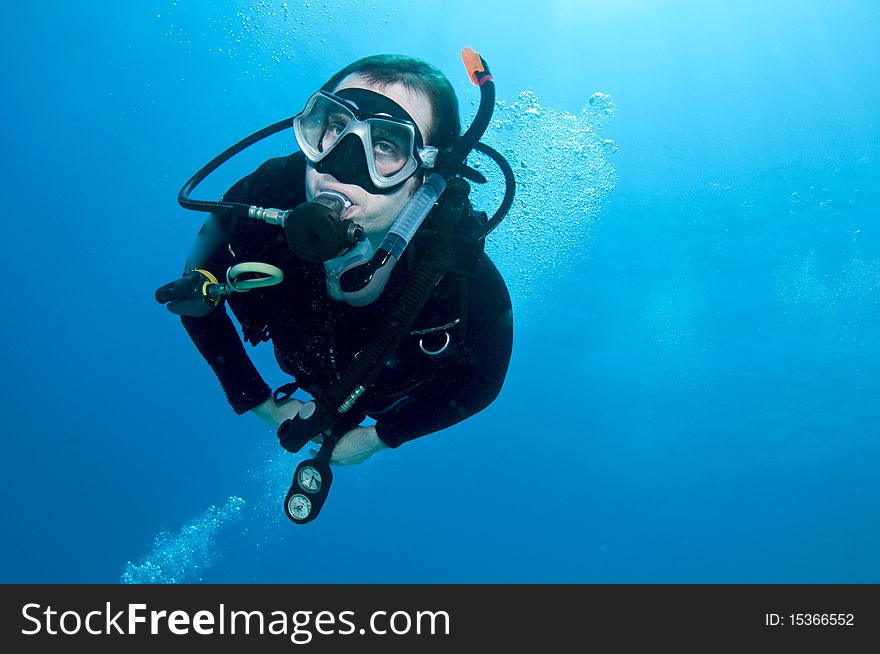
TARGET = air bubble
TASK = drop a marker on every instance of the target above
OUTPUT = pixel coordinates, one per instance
(563, 175)
(183, 557)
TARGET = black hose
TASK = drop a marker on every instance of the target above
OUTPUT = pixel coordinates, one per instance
(233, 207)
(509, 187)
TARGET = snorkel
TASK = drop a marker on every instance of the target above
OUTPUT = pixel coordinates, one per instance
(362, 281)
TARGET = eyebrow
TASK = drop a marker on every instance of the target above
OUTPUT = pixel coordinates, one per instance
(388, 134)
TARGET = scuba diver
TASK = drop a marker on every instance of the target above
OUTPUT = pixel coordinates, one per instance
(367, 272)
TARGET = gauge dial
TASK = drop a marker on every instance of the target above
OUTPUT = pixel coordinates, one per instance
(309, 479)
(299, 506)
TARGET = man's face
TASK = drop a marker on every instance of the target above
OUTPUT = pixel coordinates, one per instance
(375, 213)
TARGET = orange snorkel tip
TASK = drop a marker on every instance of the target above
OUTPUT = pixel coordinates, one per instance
(475, 66)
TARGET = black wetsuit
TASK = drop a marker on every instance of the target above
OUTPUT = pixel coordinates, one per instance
(315, 337)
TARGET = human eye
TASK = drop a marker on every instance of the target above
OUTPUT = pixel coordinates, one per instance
(334, 126)
(336, 123)
(387, 144)
(386, 148)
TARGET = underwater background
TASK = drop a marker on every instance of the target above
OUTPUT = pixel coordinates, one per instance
(693, 255)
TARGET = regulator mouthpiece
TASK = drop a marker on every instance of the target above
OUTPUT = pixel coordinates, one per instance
(316, 232)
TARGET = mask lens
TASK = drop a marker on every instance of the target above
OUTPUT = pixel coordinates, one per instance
(392, 146)
(336, 123)
(322, 123)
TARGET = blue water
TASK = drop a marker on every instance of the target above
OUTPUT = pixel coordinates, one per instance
(694, 259)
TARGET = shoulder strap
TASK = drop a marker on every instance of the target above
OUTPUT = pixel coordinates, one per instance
(333, 412)
(442, 249)
(334, 409)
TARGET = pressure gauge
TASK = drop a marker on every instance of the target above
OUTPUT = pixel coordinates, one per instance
(309, 479)
(308, 490)
(299, 506)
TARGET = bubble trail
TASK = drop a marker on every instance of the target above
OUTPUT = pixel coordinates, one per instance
(563, 167)
(182, 557)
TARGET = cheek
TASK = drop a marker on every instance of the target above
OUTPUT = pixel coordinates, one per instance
(396, 201)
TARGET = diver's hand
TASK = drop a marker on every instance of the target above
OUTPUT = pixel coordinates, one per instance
(356, 446)
(274, 413)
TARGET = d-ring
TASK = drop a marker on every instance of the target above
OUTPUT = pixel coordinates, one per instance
(433, 353)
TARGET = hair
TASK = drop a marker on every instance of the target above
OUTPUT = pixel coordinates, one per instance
(416, 75)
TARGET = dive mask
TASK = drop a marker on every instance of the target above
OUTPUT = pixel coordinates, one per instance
(362, 138)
